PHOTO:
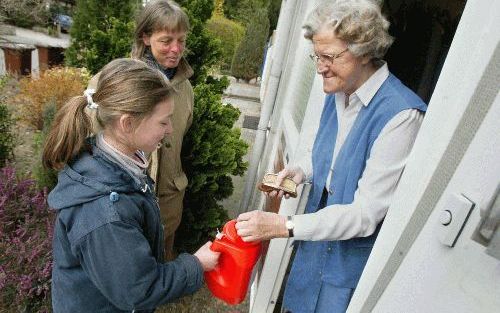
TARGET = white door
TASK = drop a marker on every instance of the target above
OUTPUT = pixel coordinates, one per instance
(439, 248)
(454, 263)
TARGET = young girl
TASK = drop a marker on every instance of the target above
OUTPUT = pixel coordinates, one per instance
(108, 249)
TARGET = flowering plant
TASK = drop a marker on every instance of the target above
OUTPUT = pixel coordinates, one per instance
(26, 229)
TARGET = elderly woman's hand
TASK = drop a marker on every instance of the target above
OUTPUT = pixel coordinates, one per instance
(259, 225)
(295, 173)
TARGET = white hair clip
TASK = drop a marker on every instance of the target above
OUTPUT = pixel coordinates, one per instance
(90, 102)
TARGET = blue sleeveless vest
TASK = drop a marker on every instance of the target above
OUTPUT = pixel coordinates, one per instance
(340, 263)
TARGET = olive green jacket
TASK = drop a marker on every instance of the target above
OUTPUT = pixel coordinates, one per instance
(165, 163)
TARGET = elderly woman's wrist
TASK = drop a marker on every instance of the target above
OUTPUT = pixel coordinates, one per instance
(282, 231)
(297, 174)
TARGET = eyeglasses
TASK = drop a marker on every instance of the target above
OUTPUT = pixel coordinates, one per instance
(326, 59)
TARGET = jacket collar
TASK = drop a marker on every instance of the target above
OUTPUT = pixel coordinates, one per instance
(182, 73)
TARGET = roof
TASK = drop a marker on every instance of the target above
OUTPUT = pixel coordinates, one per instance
(21, 38)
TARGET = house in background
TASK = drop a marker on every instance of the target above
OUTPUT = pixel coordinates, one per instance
(439, 247)
(24, 51)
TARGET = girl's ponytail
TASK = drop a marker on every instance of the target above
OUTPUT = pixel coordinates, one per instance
(70, 128)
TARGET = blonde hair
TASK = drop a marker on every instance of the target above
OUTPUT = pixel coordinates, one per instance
(156, 16)
(125, 86)
(359, 23)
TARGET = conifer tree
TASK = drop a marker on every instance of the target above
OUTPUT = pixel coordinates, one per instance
(203, 51)
(228, 32)
(249, 55)
(7, 138)
(102, 31)
(219, 8)
(212, 149)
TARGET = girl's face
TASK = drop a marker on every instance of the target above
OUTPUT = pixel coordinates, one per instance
(151, 129)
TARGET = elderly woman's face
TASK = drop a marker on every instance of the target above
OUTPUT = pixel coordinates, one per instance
(341, 71)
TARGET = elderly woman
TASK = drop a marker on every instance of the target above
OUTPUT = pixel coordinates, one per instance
(367, 129)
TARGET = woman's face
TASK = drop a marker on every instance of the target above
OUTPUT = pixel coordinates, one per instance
(166, 46)
(346, 72)
(151, 130)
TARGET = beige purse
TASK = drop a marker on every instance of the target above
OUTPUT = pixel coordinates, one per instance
(268, 184)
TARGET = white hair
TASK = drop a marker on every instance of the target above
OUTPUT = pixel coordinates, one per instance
(359, 23)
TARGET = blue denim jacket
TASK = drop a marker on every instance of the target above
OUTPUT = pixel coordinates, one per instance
(108, 243)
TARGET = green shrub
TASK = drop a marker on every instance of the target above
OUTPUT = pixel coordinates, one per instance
(101, 31)
(203, 50)
(248, 57)
(6, 135)
(230, 34)
(241, 10)
(43, 176)
(4, 79)
(273, 13)
(212, 151)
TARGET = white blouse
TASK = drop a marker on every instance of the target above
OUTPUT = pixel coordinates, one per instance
(380, 177)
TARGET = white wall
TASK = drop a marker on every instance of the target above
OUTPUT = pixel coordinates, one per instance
(35, 66)
(3, 69)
